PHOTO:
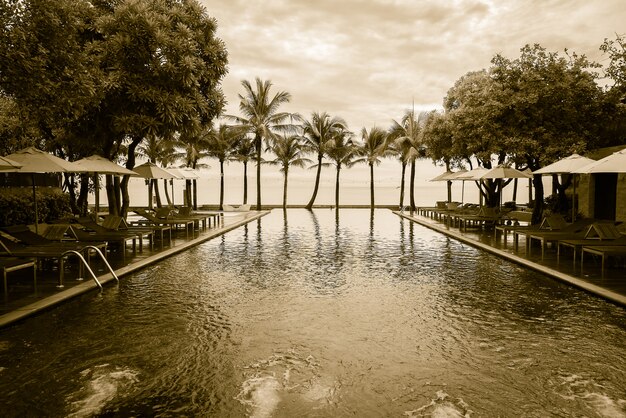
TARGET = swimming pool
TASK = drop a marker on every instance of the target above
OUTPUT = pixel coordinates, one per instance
(312, 315)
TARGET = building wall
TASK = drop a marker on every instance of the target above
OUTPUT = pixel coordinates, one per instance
(586, 196)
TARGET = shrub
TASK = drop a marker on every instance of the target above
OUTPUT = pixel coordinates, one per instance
(17, 207)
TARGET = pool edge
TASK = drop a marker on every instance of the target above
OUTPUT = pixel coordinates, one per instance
(89, 285)
(555, 274)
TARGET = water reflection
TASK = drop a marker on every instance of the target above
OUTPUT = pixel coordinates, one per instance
(322, 314)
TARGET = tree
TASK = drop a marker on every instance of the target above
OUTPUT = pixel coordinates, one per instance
(374, 147)
(102, 75)
(289, 153)
(405, 140)
(316, 133)
(220, 144)
(244, 152)
(613, 130)
(549, 108)
(261, 117)
(439, 141)
(342, 151)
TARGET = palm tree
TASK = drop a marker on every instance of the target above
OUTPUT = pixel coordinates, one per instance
(342, 151)
(373, 148)
(289, 153)
(220, 144)
(194, 149)
(316, 133)
(405, 136)
(261, 116)
(244, 152)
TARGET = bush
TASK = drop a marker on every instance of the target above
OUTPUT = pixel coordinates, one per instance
(17, 207)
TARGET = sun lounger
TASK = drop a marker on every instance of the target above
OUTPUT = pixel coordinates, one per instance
(605, 234)
(117, 223)
(573, 231)
(604, 252)
(107, 228)
(485, 216)
(150, 219)
(12, 249)
(23, 234)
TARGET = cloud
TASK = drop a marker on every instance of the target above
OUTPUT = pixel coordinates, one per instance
(367, 60)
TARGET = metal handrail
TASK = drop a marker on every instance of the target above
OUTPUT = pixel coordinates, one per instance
(106, 263)
(80, 256)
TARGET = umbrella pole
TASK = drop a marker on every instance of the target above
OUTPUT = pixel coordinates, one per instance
(173, 199)
(35, 202)
(574, 198)
(463, 192)
(96, 183)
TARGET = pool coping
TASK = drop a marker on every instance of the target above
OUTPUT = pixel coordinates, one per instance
(574, 281)
(89, 285)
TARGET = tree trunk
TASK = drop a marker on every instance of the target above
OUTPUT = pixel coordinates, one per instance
(412, 184)
(167, 194)
(372, 186)
(195, 194)
(245, 182)
(449, 183)
(82, 195)
(221, 184)
(114, 207)
(157, 194)
(337, 188)
(117, 193)
(187, 201)
(402, 185)
(130, 164)
(285, 188)
(320, 156)
(538, 209)
(150, 193)
(257, 141)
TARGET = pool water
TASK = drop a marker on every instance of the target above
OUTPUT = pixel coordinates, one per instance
(308, 314)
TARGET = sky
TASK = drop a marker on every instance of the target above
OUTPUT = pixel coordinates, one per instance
(368, 61)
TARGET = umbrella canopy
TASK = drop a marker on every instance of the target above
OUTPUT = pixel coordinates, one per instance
(96, 165)
(100, 165)
(447, 175)
(614, 163)
(184, 173)
(152, 171)
(7, 164)
(37, 161)
(475, 174)
(566, 165)
(503, 172)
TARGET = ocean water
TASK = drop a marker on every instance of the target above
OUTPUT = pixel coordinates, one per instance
(354, 186)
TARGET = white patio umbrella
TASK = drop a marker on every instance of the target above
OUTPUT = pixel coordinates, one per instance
(183, 173)
(450, 176)
(36, 161)
(8, 165)
(614, 163)
(567, 165)
(152, 171)
(503, 172)
(96, 165)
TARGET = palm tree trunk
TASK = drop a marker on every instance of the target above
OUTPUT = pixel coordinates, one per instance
(150, 194)
(221, 184)
(167, 194)
(372, 185)
(187, 200)
(412, 185)
(285, 188)
(337, 187)
(258, 172)
(320, 156)
(157, 194)
(245, 182)
(402, 185)
(195, 194)
(130, 164)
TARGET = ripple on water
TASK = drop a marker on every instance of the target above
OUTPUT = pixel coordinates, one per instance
(98, 387)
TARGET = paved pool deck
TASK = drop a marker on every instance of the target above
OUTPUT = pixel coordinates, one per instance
(612, 288)
(232, 220)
